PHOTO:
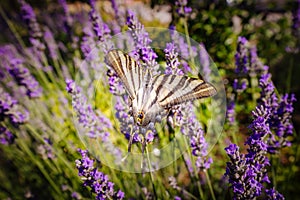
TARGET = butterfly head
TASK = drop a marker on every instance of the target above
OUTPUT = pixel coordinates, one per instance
(140, 117)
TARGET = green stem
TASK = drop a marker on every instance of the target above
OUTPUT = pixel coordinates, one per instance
(209, 185)
(289, 77)
(187, 35)
(151, 175)
(41, 168)
(195, 169)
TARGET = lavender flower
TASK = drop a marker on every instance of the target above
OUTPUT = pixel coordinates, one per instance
(186, 116)
(230, 114)
(96, 180)
(182, 9)
(204, 61)
(6, 137)
(183, 49)
(172, 60)
(280, 120)
(23, 77)
(115, 85)
(142, 50)
(10, 109)
(87, 43)
(35, 32)
(296, 19)
(192, 128)
(240, 85)
(67, 20)
(51, 44)
(242, 57)
(272, 194)
(46, 150)
(100, 29)
(247, 173)
(95, 124)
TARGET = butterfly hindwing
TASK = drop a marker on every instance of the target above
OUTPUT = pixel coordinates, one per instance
(172, 90)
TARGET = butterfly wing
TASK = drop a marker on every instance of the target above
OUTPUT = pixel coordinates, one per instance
(131, 74)
(170, 90)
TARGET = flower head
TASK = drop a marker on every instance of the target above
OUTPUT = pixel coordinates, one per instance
(96, 180)
(6, 137)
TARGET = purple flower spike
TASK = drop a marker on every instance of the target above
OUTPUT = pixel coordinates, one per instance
(35, 32)
(86, 115)
(143, 50)
(272, 194)
(6, 137)
(171, 55)
(23, 77)
(241, 57)
(11, 110)
(96, 180)
(182, 9)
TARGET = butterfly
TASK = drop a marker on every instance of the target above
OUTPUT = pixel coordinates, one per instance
(153, 96)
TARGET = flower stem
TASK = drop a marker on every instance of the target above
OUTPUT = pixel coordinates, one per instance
(187, 35)
(209, 185)
(151, 175)
(195, 169)
(289, 76)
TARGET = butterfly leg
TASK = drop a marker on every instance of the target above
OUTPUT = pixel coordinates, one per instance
(129, 144)
(130, 138)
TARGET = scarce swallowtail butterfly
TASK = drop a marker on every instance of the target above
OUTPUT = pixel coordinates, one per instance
(153, 96)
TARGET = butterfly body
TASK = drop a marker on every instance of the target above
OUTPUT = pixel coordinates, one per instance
(154, 96)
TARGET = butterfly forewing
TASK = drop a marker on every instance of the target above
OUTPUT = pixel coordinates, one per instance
(127, 69)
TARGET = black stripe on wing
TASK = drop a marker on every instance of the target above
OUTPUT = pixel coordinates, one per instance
(179, 89)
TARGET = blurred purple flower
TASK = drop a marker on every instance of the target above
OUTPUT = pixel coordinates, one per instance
(204, 62)
(46, 149)
(182, 9)
(96, 180)
(100, 28)
(172, 60)
(115, 85)
(95, 124)
(242, 57)
(272, 194)
(67, 20)
(35, 32)
(142, 49)
(296, 19)
(10, 109)
(6, 137)
(240, 85)
(87, 43)
(51, 44)
(23, 77)
(255, 66)
(191, 127)
(230, 114)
